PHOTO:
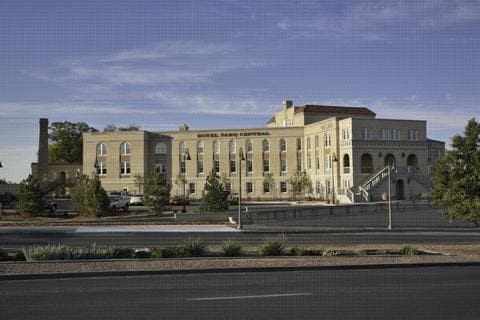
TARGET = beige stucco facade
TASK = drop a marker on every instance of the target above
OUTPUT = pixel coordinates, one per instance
(340, 147)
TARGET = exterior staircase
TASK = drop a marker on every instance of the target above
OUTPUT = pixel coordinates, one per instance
(361, 193)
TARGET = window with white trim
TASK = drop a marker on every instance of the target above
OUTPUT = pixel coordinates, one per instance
(249, 187)
(125, 168)
(191, 188)
(125, 148)
(101, 168)
(283, 186)
(101, 149)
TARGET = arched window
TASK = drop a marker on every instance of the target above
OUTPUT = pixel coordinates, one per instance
(283, 145)
(232, 146)
(101, 149)
(346, 164)
(248, 146)
(216, 147)
(125, 148)
(299, 144)
(200, 147)
(412, 160)
(161, 148)
(265, 145)
(366, 165)
(390, 160)
(181, 148)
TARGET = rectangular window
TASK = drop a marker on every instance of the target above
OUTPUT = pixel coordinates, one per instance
(299, 144)
(309, 165)
(283, 165)
(283, 145)
(216, 166)
(228, 186)
(266, 165)
(249, 187)
(266, 187)
(191, 188)
(299, 164)
(182, 167)
(161, 167)
(413, 135)
(125, 168)
(233, 166)
(101, 168)
(345, 134)
(200, 167)
(396, 134)
(366, 133)
(328, 162)
(249, 166)
(283, 186)
(318, 163)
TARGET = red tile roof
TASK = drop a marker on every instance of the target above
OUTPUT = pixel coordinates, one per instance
(335, 109)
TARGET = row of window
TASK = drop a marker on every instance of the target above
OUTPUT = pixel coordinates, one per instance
(125, 149)
(232, 146)
(327, 141)
(233, 166)
(389, 134)
(101, 168)
(249, 187)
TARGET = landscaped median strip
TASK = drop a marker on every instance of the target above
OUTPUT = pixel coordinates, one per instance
(193, 256)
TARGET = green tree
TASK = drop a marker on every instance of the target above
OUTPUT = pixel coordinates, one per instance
(215, 199)
(300, 182)
(456, 178)
(110, 128)
(269, 181)
(29, 196)
(131, 127)
(67, 141)
(89, 198)
(157, 192)
(139, 182)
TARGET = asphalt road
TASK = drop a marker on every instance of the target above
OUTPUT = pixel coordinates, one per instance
(16, 238)
(410, 293)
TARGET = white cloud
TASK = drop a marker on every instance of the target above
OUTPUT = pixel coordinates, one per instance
(214, 104)
(384, 19)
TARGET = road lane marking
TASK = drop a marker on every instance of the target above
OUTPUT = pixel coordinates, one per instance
(154, 228)
(252, 297)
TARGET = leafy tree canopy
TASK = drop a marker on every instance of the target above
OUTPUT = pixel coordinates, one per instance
(66, 141)
(29, 196)
(456, 179)
(89, 198)
(131, 127)
(215, 199)
(300, 182)
(157, 192)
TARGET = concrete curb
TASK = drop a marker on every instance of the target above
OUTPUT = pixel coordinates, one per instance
(66, 275)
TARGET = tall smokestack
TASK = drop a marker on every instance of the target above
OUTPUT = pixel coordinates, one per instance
(43, 151)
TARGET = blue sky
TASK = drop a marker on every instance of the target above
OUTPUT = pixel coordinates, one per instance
(227, 64)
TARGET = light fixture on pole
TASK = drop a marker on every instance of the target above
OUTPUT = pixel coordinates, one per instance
(186, 156)
(334, 159)
(389, 199)
(240, 159)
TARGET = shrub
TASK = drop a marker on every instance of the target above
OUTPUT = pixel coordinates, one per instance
(190, 248)
(89, 197)
(3, 255)
(20, 256)
(62, 252)
(29, 197)
(231, 248)
(123, 253)
(408, 251)
(274, 246)
(330, 253)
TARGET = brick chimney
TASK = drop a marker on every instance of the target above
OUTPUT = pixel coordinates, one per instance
(43, 151)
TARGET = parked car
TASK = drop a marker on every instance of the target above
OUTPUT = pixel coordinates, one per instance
(48, 203)
(136, 200)
(179, 201)
(118, 202)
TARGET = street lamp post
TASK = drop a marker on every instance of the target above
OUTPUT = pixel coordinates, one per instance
(334, 159)
(186, 156)
(389, 199)
(240, 159)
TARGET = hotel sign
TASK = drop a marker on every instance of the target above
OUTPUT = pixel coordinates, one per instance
(233, 134)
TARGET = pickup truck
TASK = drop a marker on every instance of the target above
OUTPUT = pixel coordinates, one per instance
(118, 202)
